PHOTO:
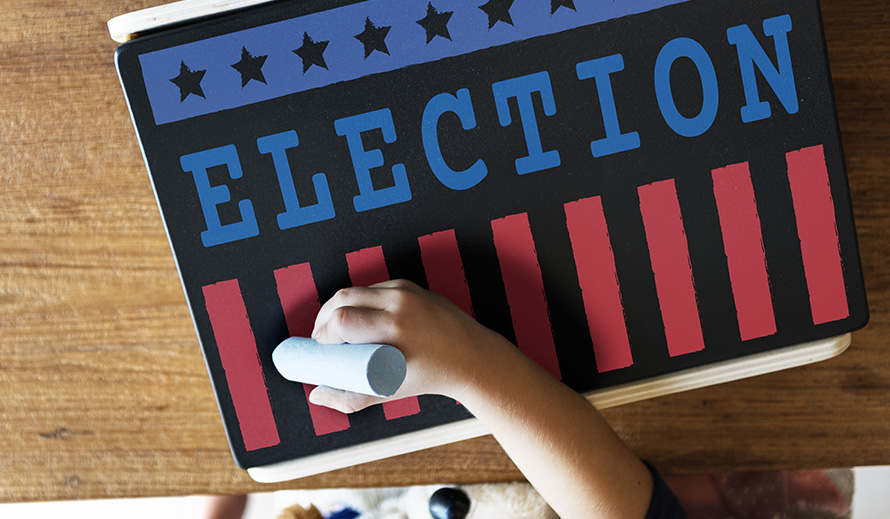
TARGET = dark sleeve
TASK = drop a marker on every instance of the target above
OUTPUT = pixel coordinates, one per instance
(664, 504)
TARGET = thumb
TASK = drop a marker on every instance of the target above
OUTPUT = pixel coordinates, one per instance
(343, 401)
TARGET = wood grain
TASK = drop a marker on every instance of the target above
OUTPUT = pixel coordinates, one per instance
(104, 392)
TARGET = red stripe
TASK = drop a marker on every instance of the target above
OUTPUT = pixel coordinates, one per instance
(669, 253)
(598, 280)
(368, 267)
(525, 290)
(743, 243)
(241, 363)
(817, 230)
(299, 300)
(444, 268)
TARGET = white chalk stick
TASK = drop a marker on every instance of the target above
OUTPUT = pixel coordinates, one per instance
(370, 369)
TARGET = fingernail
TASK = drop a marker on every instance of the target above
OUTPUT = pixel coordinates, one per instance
(315, 399)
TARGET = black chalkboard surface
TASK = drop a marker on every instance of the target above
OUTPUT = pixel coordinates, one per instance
(633, 192)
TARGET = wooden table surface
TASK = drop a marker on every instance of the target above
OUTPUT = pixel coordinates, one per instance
(103, 391)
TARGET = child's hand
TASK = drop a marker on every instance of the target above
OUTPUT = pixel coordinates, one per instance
(442, 345)
(556, 438)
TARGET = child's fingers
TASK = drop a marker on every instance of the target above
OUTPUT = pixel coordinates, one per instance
(349, 324)
(343, 401)
(381, 296)
(398, 283)
(361, 297)
(354, 296)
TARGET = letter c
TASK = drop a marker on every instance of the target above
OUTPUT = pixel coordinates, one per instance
(463, 107)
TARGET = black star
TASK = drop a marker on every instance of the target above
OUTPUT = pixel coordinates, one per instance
(312, 52)
(188, 81)
(435, 23)
(373, 38)
(497, 11)
(556, 4)
(250, 67)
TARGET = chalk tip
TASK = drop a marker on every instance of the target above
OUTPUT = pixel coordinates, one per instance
(387, 370)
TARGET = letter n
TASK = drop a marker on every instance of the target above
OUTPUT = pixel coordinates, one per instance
(780, 79)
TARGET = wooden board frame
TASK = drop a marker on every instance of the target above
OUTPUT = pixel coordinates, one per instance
(131, 25)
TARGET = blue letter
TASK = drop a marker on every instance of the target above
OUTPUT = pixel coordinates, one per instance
(521, 88)
(685, 47)
(751, 53)
(212, 196)
(294, 215)
(363, 160)
(463, 107)
(615, 141)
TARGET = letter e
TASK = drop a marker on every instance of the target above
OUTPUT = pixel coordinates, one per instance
(212, 196)
(363, 160)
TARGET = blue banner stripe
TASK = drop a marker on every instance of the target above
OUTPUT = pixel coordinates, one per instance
(220, 86)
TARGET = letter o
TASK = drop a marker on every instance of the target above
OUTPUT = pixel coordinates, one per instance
(689, 48)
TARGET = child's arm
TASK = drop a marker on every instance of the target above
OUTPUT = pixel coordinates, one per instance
(558, 440)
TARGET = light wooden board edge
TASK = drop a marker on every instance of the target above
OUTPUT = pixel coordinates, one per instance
(128, 26)
(722, 372)
(695, 378)
(367, 452)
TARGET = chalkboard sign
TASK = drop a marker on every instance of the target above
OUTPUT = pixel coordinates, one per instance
(625, 190)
